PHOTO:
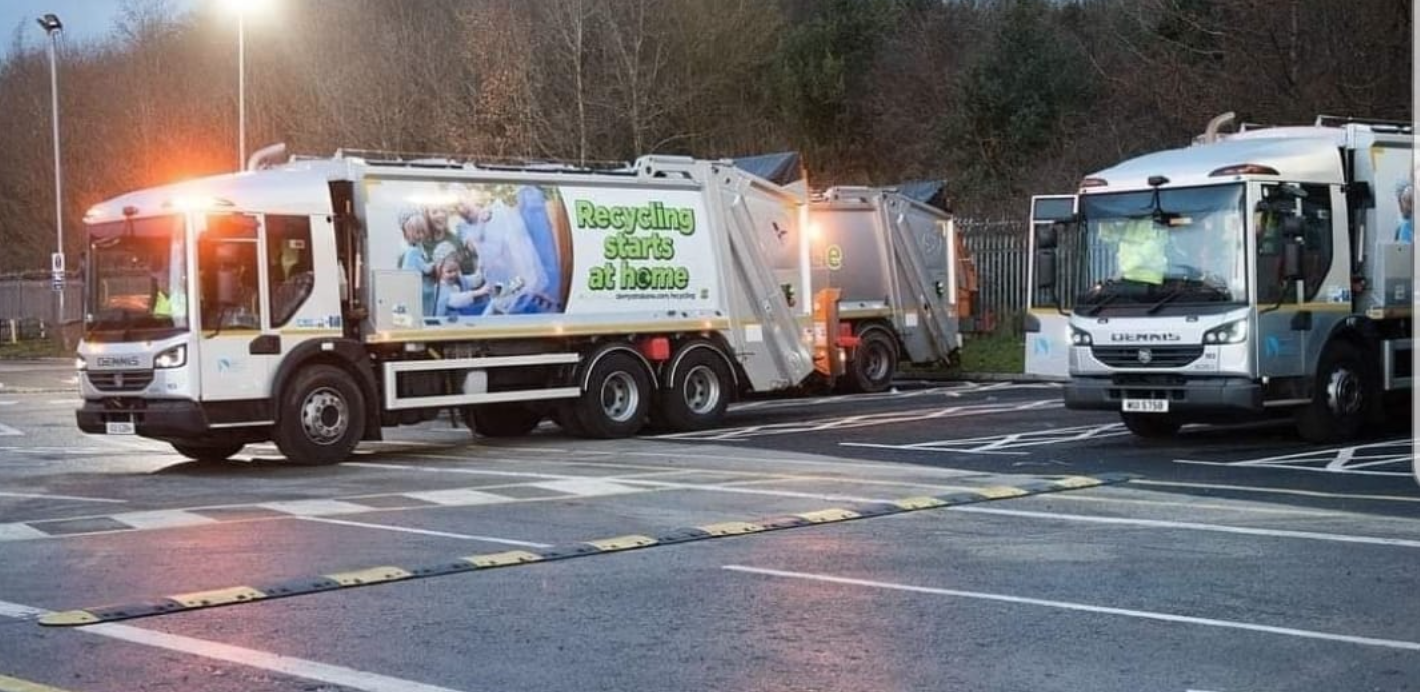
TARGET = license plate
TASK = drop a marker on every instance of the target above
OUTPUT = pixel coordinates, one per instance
(1146, 405)
(115, 427)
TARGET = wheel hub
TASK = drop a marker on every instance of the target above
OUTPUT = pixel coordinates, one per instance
(702, 390)
(620, 397)
(1343, 392)
(325, 416)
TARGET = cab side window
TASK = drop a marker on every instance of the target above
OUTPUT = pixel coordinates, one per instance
(227, 273)
(288, 252)
(1313, 204)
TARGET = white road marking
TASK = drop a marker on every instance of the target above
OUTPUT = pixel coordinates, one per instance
(316, 508)
(8, 403)
(162, 519)
(461, 469)
(1194, 526)
(427, 532)
(40, 496)
(1350, 459)
(1087, 608)
(861, 421)
(457, 497)
(1000, 444)
(726, 488)
(20, 532)
(251, 658)
(7, 431)
(1277, 491)
(587, 487)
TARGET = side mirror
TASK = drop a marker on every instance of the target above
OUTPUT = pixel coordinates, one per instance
(1044, 269)
(1292, 260)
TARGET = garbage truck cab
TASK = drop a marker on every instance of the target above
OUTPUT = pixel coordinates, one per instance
(1267, 271)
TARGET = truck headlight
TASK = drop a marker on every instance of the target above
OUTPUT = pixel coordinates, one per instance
(174, 357)
(1080, 337)
(1231, 333)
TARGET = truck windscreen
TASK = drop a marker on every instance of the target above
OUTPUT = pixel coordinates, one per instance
(1158, 249)
(137, 286)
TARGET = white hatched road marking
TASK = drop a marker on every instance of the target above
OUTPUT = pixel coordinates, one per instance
(42, 496)
(1356, 459)
(952, 392)
(587, 487)
(20, 532)
(1003, 444)
(1195, 526)
(251, 658)
(427, 532)
(458, 497)
(7, 431)
(860, 421)
(162, 519)
(1086, 608)
(315, 508)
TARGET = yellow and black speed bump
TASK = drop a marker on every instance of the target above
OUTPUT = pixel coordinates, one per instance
(382, 575)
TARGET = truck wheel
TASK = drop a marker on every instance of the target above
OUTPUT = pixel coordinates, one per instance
(873, 365)
(698, 393)
(321, 417)
(617, 397)
(208, 451)
(1153, 426)
(504, 420)
(1343, 394)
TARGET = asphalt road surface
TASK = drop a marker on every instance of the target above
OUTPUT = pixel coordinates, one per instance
(1234, 559)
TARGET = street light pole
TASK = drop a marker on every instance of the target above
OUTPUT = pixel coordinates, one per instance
(241, 91)
(53, 27)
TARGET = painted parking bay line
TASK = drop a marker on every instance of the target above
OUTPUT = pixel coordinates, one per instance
(1085, 608)
(249, 593)
(251, 658)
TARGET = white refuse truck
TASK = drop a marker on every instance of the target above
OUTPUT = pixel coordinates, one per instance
(315, 302)
(1265, 271)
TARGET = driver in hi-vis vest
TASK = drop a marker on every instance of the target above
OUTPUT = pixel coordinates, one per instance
(1141, 250)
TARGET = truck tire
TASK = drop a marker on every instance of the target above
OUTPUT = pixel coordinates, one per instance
(616, 399)
(696, 396)
(1342, 397)
(1153, 426)
(873, 364)
(504, 420)
(321, 417)
(207, 451)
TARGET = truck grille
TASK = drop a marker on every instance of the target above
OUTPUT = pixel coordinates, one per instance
(121, 380)
(1147, 356)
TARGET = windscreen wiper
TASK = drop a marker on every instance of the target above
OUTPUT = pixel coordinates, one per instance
(1168, 297)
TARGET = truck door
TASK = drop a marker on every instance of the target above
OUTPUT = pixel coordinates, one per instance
(233, 310)
(1047, 328)
(1284, 332)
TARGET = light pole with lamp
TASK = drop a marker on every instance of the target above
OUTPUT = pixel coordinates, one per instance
(53, 27)
(242, 8)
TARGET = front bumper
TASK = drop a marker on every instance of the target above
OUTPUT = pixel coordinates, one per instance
(1197, 395)
(158, 418)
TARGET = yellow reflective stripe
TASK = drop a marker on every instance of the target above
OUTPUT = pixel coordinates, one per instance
(1076, 482)
(372, 575)
(235, 594)
(511, 557)
(730, 528)
(827, 515)
(69, 618)
(924, 502)
(623, 542)
(998, 492)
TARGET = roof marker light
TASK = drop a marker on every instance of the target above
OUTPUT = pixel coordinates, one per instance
(1094, 182)
(1244, 169)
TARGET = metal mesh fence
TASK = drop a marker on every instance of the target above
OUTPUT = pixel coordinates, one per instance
(28, 303)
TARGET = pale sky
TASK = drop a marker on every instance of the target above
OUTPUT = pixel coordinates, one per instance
(84, 20)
